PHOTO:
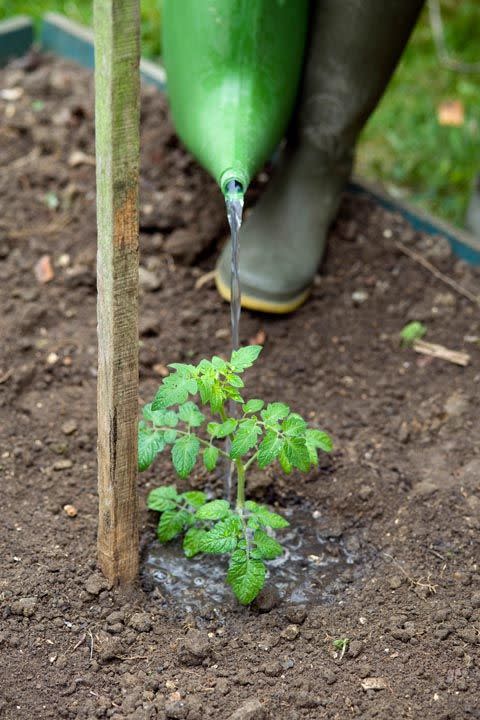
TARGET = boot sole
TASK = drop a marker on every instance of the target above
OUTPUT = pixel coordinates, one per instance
(260, 304)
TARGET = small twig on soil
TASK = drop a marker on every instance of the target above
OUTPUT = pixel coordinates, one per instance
(91, 643)
(50, 229)
(414, 583)
(439, 351)
(204, 279)
(437, 273)
(5, 376)
(82, 640)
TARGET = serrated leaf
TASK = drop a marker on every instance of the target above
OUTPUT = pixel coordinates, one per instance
(274, 412)
(192, 542)
(267, 546)
(210, 457)
(154, 416)
(294, 425)
(223, 537)
(234, 380)
(245, 438)
(170, 418)
(171, 524)
(319, 439)
(213, 510)
(297, 453)
(219, 364)
(266, 516)
(195, 498)
(216, 398)
(184, 454)
(150, 443)
(162, 498)
(244, 358)
(269, 449)
(221, 430)
(170, 436)
(252, 406)
(246, 576)
(190, 414)
(174, 390)
(205, 385)
(285, 463)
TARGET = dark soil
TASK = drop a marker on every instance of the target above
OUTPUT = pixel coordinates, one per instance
(401, 490)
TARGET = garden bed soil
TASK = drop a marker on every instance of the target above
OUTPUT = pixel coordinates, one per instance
(400, 491)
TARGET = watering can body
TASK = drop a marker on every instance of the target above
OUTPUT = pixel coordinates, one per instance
(233, 70)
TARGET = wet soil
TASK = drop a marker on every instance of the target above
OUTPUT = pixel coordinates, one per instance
(401, 489)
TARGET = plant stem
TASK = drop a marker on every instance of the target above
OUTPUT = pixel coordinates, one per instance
(240, 484)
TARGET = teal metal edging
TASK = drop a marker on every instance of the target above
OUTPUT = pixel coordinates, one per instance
(16, 38)
(75, 42)
(464, 245)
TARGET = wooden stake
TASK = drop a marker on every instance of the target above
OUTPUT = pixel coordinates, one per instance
(117, 98)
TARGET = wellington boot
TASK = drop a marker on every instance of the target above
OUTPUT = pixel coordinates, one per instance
(353, 50)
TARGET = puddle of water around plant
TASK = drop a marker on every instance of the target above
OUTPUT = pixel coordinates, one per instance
(306, 573)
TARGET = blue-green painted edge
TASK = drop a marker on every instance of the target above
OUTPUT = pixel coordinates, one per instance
(16, 38)
(76, 42)
(464, 245)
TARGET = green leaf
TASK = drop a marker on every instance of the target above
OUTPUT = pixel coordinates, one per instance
(190, 414)
(274, 412)
(267, 546)
(171, 524)
(150, 443)
(294, 425)
(245, 438)
(234, 380)
(265, 516)
(162, 498)
(244, 357)
(170, 436)
(253, 406)
(216, 398)
(285, 463)
(213, 510)
(184, 454)
(223, 537)
(210, 457)
(297, 453)
(155, 416)
(192, 541)
(195, 498)
(175, 389)
(411, 332)
(170, 418)
(205, 385)
(269, 448)
(246, 576)
(221, 430)
(219, 364)
(319, 439)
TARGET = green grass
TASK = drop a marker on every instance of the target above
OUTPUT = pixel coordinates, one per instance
(403, 147)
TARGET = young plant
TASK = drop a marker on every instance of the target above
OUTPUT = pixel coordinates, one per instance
(258, 433)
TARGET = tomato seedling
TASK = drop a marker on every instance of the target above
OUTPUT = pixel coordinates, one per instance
(261, 434)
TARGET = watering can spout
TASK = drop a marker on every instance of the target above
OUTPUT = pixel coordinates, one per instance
(233, 70)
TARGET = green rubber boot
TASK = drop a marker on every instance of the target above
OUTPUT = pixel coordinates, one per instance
(354, 48)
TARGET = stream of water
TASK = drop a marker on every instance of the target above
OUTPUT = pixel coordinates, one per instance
(234, 203)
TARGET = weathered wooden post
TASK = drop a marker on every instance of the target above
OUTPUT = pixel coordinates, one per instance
(117, 115)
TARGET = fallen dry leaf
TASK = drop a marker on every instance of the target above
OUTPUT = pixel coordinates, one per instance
(451, 113)
(44, 270)
(161, 370)
(80, 158)
(259, 338)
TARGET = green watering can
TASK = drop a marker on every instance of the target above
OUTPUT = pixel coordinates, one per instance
(233, 69)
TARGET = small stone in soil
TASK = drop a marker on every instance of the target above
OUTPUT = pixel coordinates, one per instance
(272, 669)
(296, 614)
(69, 427)
(250, 710)
(176, 710)
(141, 622)
(62, 465)
(96, 583)
(108, 647)
(195, 648)
(267, 599)
(25, 606)
(290, 632)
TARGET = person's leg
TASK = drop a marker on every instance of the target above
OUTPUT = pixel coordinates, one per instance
(353, 50)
